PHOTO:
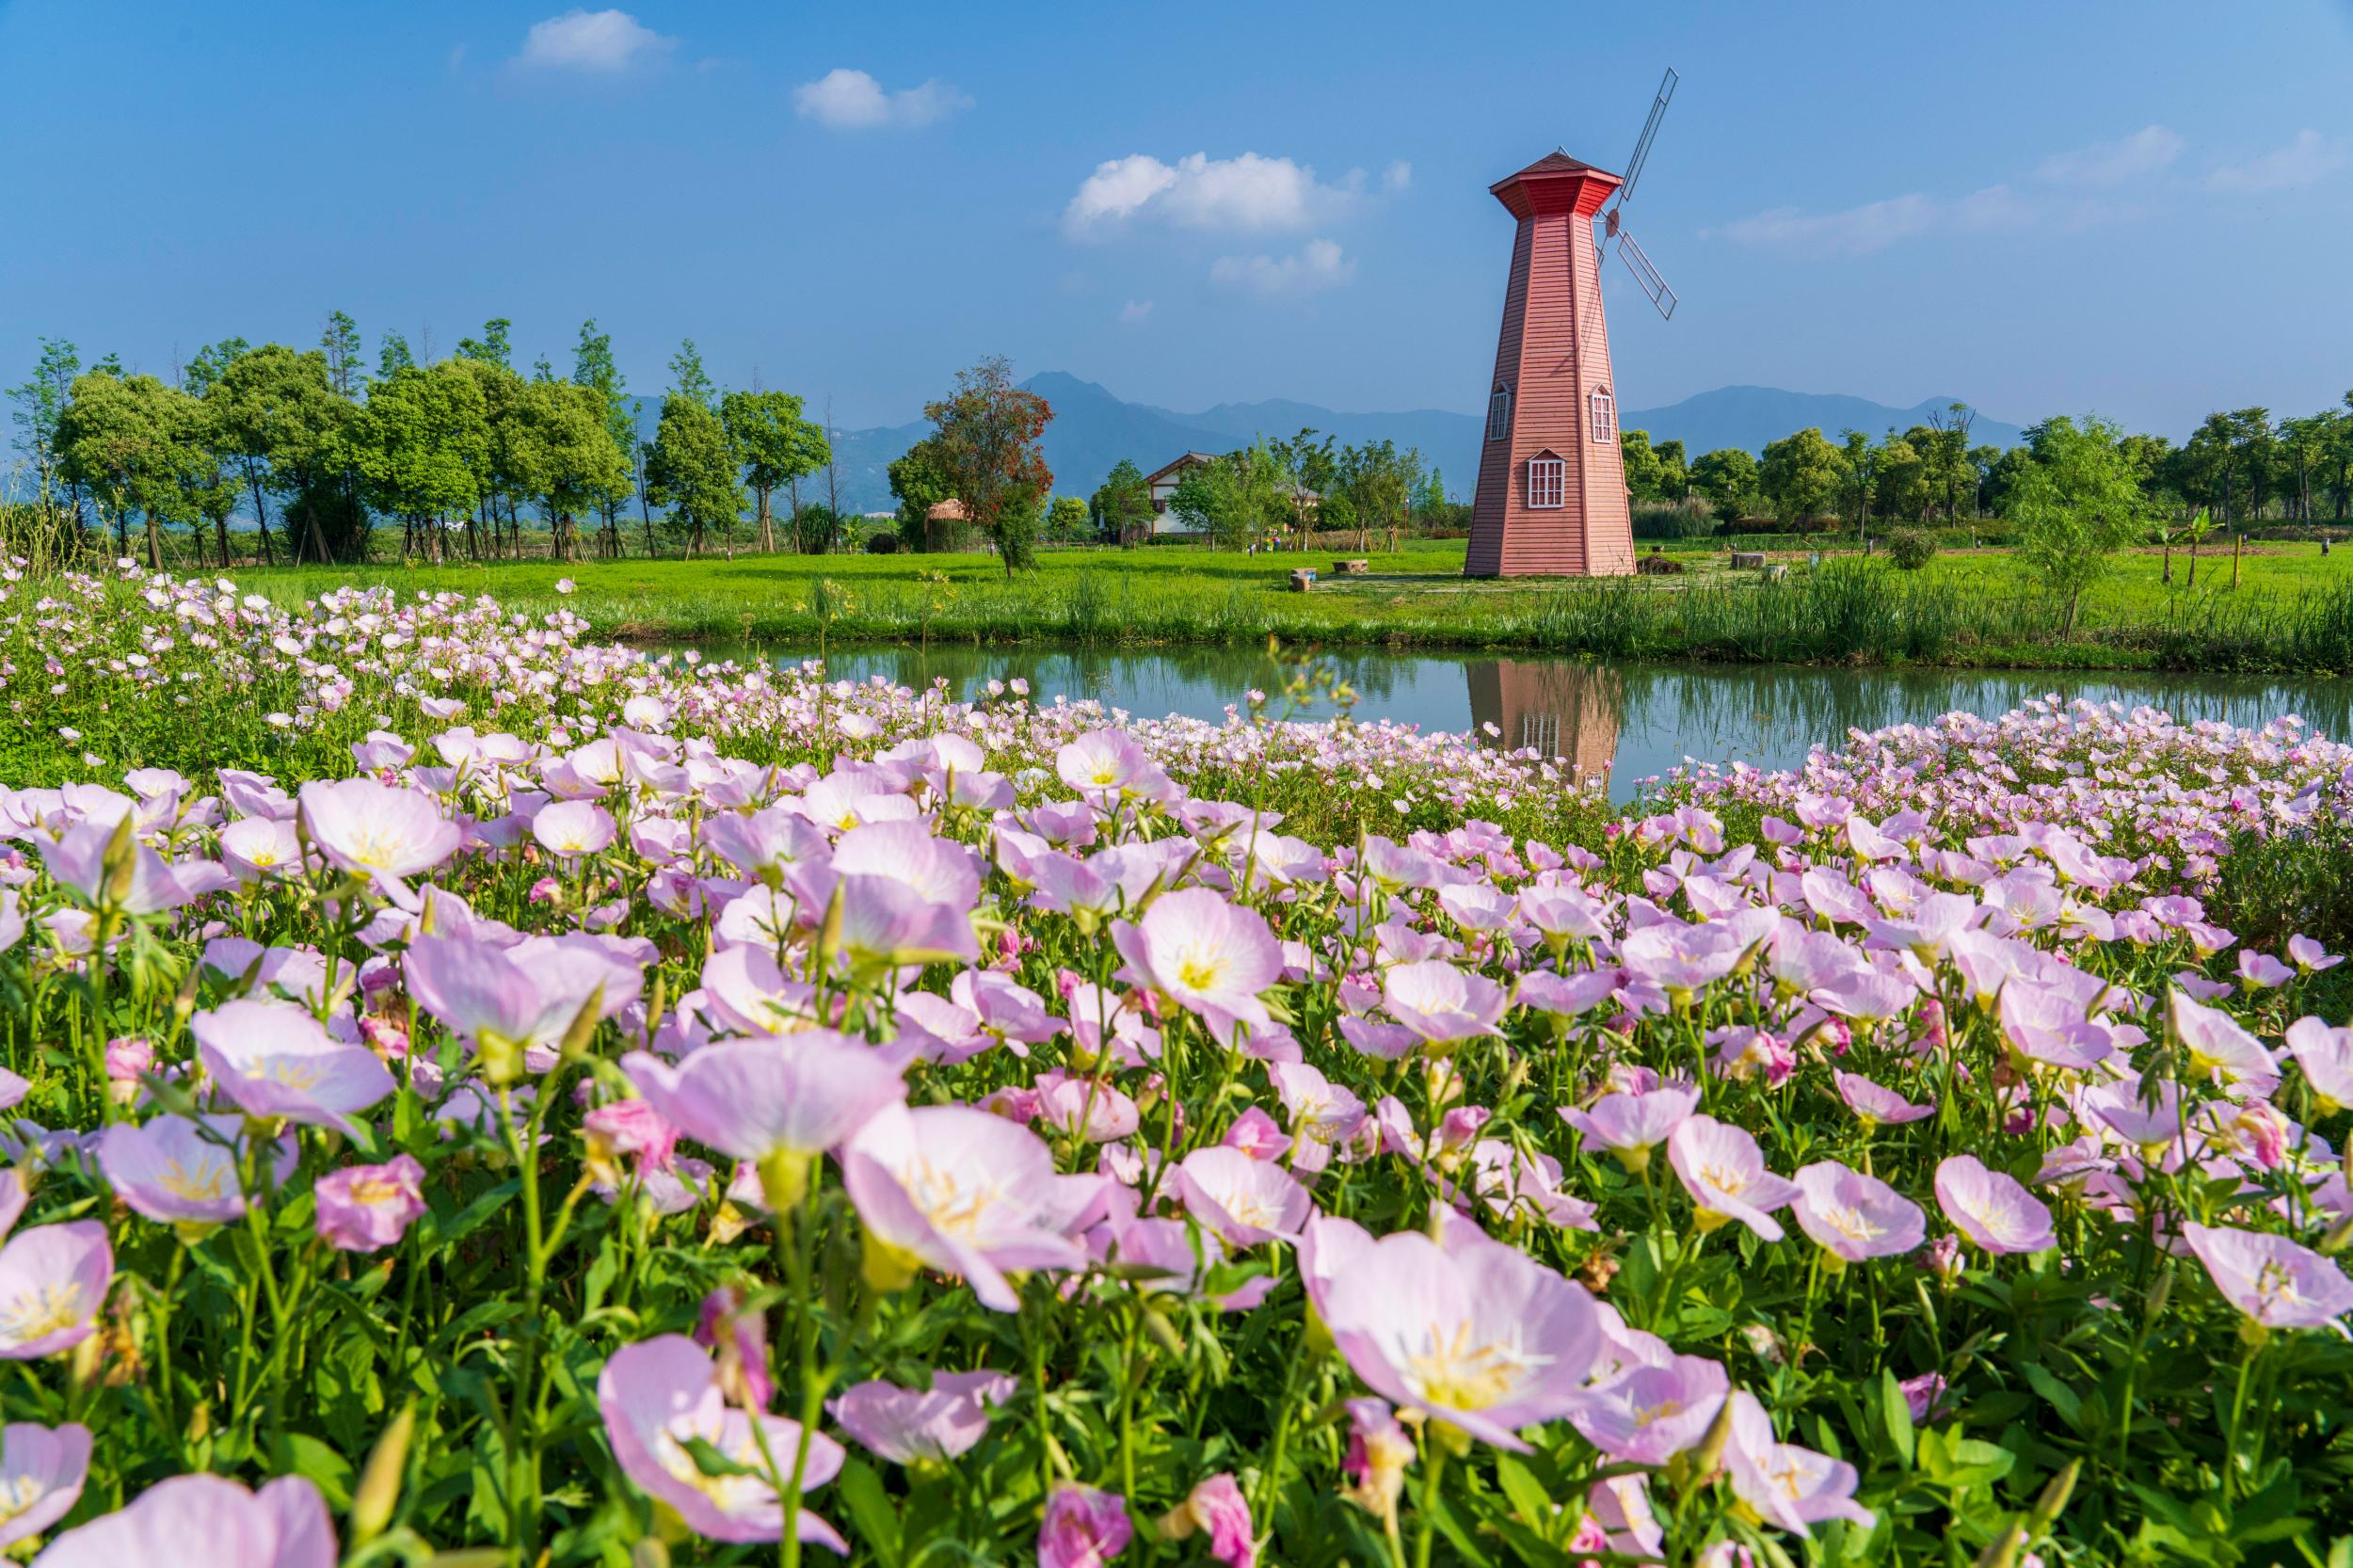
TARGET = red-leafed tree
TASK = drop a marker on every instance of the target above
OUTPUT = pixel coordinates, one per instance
(986, 437)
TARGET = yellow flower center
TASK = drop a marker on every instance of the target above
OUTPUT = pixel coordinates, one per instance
(207, 1183)
(47, 1310)
(1457, 1374)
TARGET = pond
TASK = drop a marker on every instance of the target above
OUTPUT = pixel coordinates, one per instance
(1637, 720)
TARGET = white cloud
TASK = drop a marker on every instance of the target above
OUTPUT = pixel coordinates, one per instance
(1398, 176)
(2148, 151)
(1249, 194)
(2091, 171)
(845, 100)
(1873, 225)
(608, 41)
(1135, 310)
(1319, 266)
(2306, 161)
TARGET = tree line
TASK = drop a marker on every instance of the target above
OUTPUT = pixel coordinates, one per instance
(2238, 468)
(321, 451)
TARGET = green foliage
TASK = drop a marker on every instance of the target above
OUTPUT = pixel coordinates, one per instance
(2074, 508)
(1801, 475)
(1911, 549)
(920, 482)
(1067, 521)
(772, 444)
(1726, 478)
(1122, 504)
(692, 471)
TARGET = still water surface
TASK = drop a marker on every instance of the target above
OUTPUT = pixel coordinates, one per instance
(1639, 719)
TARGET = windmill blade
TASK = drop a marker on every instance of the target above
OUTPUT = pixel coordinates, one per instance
(1638, 264)
(1650, 129)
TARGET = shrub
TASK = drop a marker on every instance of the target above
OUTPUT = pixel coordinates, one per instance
(1689, 519)
(882, 544)
(1911, 548)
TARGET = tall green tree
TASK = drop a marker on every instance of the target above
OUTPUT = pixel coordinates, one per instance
(424, 450)
(1123, 504)
(392, 355)
(40, 404)
(276, 420)
(986, 435)
(1640, 460)
(2075, 507)
(496, 347)
(1726, 478)
(692, 472)
(129, 439)
(774, 445)
(689, 377)
(1067, 519)
(594, 366)
(567, 459)
(341, 343)
(1801, 475)
(921, 481)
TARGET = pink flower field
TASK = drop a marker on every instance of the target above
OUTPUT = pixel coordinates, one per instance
(474, 1090)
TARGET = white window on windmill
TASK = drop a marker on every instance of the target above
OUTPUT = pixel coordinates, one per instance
(1546, 481)
(1499, 412)
(1604, 419)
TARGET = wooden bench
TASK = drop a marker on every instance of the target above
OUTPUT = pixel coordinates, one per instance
(1302, 579)
(1352, 568)
(1748, 560)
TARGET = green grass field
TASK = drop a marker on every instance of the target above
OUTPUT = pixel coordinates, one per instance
(2291, 609)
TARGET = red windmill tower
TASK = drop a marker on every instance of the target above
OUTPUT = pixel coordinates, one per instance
(1551, 495)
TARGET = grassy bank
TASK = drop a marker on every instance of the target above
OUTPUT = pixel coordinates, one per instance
(2290, 612)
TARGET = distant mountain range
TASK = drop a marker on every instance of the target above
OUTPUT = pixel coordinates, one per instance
(1093, 429)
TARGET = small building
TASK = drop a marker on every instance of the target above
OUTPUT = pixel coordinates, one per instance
(1163, 488)
(943, 525)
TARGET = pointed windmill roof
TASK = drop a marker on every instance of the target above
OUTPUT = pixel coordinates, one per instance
(1586, 186)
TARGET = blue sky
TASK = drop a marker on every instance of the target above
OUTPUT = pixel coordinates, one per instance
(2143, 209)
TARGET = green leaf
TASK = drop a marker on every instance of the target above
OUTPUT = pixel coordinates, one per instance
(870, 1510)
(1528, 1496)
(2060, 1398)
(296, 1454)
(1896, 1414)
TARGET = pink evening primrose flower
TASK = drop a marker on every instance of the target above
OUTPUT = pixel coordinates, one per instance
(1993, 1209)
(1875, 1105)
(274, 1059)
(2325, 1054)
(1854, 1216)
(909, 1426)
(1476, 1333)
(656, 1395)
(1630, 1125)
(2221, 1048)
(204, 1520)
(1648, 1415)
(1789, 1486)
(1085, 1527)
(1216, 1507)
(1241, 1200)
(1723, 1169)
(1211, 958)
(967, 1192)
(2271, 1279)
(379, 831)
(573, 827)
(42, 1471)
(170, 1171)
(368, 1208)
(1442, 1004)
(736, 1333)
(796, 1095)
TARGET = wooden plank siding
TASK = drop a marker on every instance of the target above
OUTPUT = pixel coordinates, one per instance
(1552, 352)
